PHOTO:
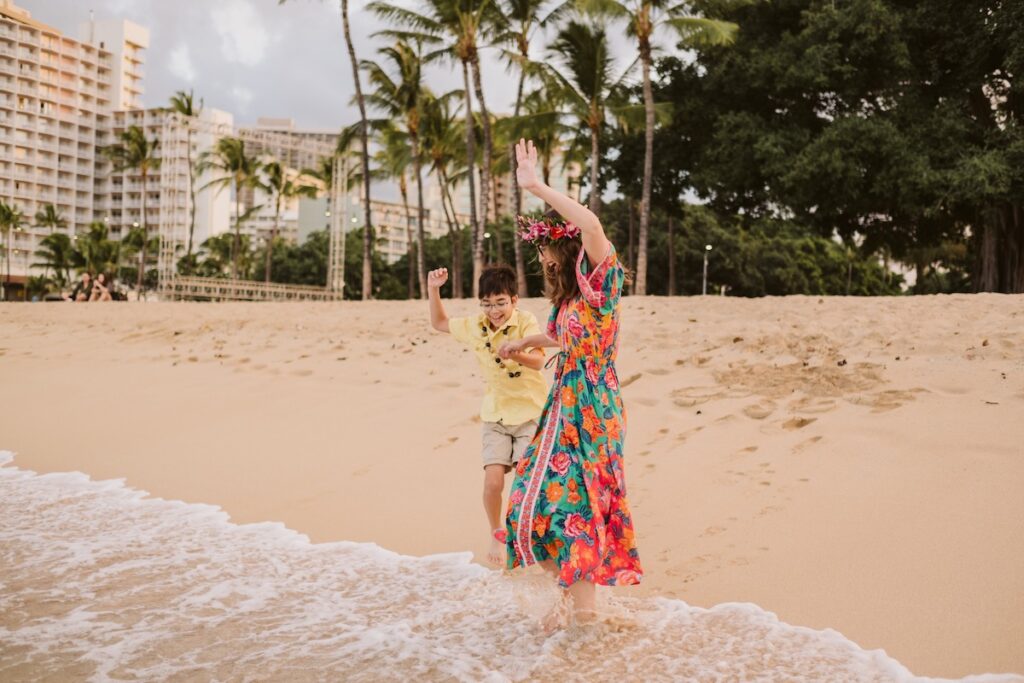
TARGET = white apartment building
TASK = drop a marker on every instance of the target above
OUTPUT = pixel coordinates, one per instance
(57, 97)
(119, 195)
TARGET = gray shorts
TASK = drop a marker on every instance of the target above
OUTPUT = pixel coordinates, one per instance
(505, 444)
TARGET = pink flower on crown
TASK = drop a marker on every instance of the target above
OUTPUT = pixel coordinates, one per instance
(546, 229)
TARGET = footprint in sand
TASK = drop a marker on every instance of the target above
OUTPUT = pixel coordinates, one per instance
(804, 445)
(798, 422)
(688, 433)
(302, 373)
(646, 402)
(713, 531)
(759, 410)
(687, 398)
(812, 405)
(629, 380)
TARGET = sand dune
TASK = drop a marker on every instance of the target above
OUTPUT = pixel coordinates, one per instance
(848, 463)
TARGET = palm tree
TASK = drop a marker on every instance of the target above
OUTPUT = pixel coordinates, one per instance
(95, 253)
(400, 97)
(588, 88)
(137, 153)
(364, 136)
(56, 252)
(283, 188)
(237, 171)
(50, 217)
(456, 25)
(643, 18)
(442, 139)
(184, 104)
(517, 23)
(11, 220)
(393, 158)
(218, 254)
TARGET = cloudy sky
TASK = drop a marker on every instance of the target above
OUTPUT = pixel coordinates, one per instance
(256, 58)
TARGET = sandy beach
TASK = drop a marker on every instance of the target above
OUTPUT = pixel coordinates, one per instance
(853, 464)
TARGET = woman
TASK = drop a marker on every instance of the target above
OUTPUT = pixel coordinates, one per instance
(568, 509)
(99, 289)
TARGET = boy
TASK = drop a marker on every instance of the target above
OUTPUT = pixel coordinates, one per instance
(515, 389)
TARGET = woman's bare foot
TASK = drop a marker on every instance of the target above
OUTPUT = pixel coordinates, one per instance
(555, 619)
(496, 554)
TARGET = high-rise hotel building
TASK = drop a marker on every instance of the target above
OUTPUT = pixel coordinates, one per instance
(57, 98)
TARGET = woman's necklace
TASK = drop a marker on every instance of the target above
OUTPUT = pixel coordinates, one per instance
(497, 359)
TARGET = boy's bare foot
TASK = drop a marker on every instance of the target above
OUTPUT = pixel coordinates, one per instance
(496, 555)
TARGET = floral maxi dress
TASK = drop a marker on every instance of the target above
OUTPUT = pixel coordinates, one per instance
(568, 500)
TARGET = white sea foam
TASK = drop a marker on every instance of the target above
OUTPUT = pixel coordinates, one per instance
(100, 582)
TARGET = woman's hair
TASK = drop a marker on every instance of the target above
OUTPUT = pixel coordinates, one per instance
(560, 284)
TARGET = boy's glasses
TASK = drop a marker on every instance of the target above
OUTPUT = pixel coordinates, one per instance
(500, 304)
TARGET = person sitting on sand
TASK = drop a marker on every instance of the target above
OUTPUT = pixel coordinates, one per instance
(82, 290)
(568, 510)
(515, 388)
(99, 289)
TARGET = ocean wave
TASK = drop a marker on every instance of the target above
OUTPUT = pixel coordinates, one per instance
(101, 582)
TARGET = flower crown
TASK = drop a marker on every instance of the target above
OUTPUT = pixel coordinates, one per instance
(545, 229)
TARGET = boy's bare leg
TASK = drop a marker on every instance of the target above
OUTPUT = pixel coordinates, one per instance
(494, 487)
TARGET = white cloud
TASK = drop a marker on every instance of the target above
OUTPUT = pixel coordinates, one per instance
(242, 95)
(243, 36)
(180, 63)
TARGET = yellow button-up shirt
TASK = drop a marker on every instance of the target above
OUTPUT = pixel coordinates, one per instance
(509, 400)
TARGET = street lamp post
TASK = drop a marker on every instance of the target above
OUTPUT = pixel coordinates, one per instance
(704, 287)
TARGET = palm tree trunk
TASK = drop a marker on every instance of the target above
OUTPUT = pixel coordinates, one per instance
(477, 233)
(145, 234)
(456, 237)
(273, 236)
(452, 237)
(191, 192)
(236, 243)
(364, 137)
(485, 179)
(595, 156)
(410, 247)
(517, 194)
(671, 258)
(630, 239)
(7, 249)
(645, 195)
(421, 260)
